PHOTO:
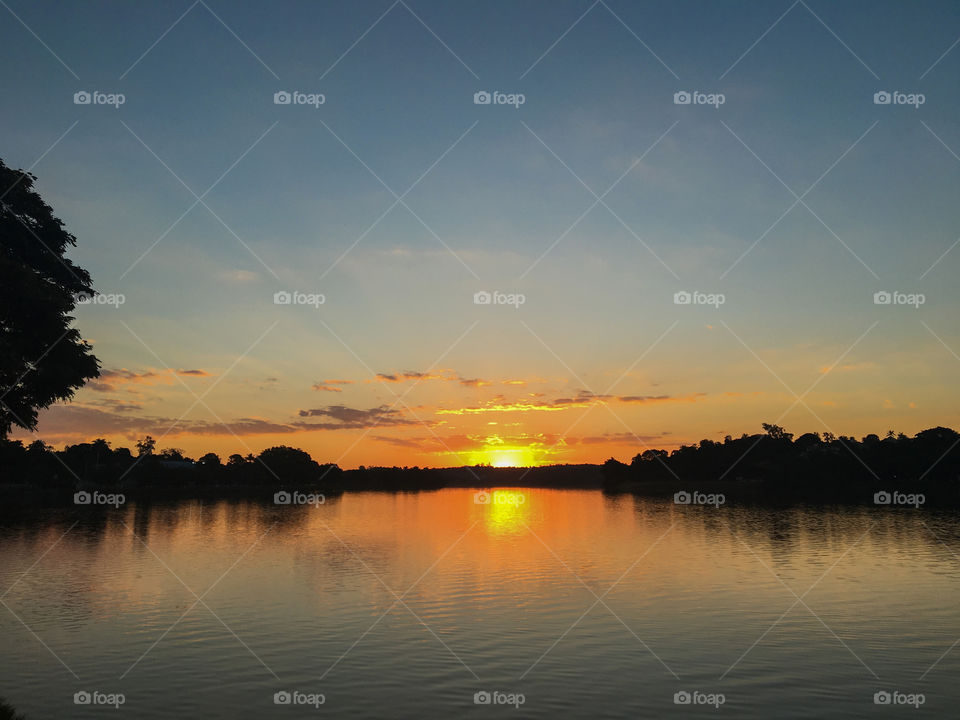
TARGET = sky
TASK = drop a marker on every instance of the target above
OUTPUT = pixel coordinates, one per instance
(587, 201)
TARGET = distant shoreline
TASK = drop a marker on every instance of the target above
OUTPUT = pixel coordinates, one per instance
(612, 481)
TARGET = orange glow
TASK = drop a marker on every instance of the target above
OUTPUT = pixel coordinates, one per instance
(505, 456)
(507, 512)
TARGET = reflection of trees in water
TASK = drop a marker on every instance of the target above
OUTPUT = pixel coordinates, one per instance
(785, 531)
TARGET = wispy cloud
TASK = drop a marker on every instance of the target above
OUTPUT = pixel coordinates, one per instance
(331, 385)
(347, 418)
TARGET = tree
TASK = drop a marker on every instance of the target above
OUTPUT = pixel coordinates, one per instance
(173, 454)
(209, 460)
(289, 463)
(146, 446)
(42, 358)
(776, 432)
(8, 713)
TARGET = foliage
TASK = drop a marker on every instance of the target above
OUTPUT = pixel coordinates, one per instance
(42, 358)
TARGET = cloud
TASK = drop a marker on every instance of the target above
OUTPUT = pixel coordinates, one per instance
(111, 379)
(75, 421)
(348, 418)
(331, 385)
(413, 443)
(474, 382)
(411, 375)
(583, 399)
(118, 405)
(647, 399)
(444, 375)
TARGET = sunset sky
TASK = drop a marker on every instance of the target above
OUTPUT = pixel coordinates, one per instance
(399, 198)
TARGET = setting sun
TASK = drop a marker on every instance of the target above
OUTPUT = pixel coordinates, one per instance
(505, 457)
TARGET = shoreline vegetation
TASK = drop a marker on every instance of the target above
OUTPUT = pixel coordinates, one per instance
(772, 465)
(7, 712)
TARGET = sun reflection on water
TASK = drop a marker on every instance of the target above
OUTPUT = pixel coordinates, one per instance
(507, 511)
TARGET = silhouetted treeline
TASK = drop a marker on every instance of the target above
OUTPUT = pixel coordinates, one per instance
(97, 465)
(810, 465)
(770, 464)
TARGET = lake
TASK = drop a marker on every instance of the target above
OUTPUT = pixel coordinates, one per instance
(526, 603)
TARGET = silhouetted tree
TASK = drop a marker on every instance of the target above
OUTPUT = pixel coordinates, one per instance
(42, 359)
(776, 432)
(209, 460)
(146, 446)
(289, 464)
(8, 713)
(173, 455)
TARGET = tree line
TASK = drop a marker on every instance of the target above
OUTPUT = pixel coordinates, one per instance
(97, 464)
(812, 461)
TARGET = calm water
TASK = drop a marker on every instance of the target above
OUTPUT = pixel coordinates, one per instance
(406, 605)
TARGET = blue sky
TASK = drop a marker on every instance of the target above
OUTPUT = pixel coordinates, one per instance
(599, 83)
